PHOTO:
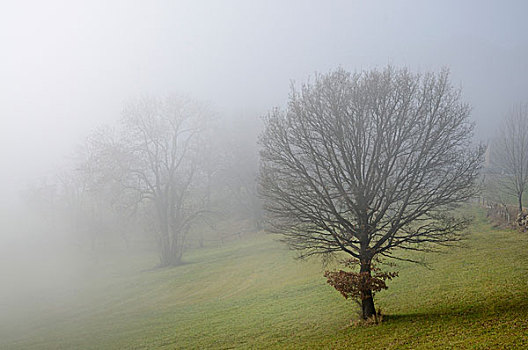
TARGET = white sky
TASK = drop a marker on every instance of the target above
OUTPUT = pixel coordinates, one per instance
(68, 66)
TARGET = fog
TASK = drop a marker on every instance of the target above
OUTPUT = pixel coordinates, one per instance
(68, 67)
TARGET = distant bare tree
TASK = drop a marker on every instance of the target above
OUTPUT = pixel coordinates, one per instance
(510, 153)
(162, 145)
(497, 200)
(366, 163)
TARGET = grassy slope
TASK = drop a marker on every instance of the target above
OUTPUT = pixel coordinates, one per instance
(252, 294)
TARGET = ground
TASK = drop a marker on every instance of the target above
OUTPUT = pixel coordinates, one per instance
(252, 293)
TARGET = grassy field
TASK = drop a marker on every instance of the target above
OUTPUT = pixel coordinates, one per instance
(252, 294)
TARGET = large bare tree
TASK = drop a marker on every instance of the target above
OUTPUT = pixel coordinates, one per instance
(369, 162)
(509, 154)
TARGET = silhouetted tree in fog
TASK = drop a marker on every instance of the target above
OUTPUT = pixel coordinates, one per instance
(150, 169)
(510, 153)
(366, 163)
(162, 144)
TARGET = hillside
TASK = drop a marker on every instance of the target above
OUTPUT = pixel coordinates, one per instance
(252, 293)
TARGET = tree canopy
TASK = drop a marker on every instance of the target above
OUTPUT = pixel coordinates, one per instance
(368, 162)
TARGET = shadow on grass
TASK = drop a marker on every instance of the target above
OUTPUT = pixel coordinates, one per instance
(159, 267)
(493, 308)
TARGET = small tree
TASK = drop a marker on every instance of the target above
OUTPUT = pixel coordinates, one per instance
(366, 163)
(509, 153)
(359, 286)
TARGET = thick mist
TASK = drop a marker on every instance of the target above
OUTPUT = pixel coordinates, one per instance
(67, 66)
(70, 69)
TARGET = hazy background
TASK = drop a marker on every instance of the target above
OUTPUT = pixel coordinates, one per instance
(68, 66)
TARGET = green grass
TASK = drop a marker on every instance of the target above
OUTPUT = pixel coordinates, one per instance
(252, 294)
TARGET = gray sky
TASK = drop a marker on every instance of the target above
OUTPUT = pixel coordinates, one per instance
(68, 66)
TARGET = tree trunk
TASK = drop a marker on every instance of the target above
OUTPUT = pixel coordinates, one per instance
(165, 251)
(367, 301)
(520, 203)
(170, 260)
(171, 255)
(367, 306)
(172, 247)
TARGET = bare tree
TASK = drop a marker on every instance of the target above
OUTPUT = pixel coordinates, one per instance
(161, 142)
(510, 153)
(369, 162)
